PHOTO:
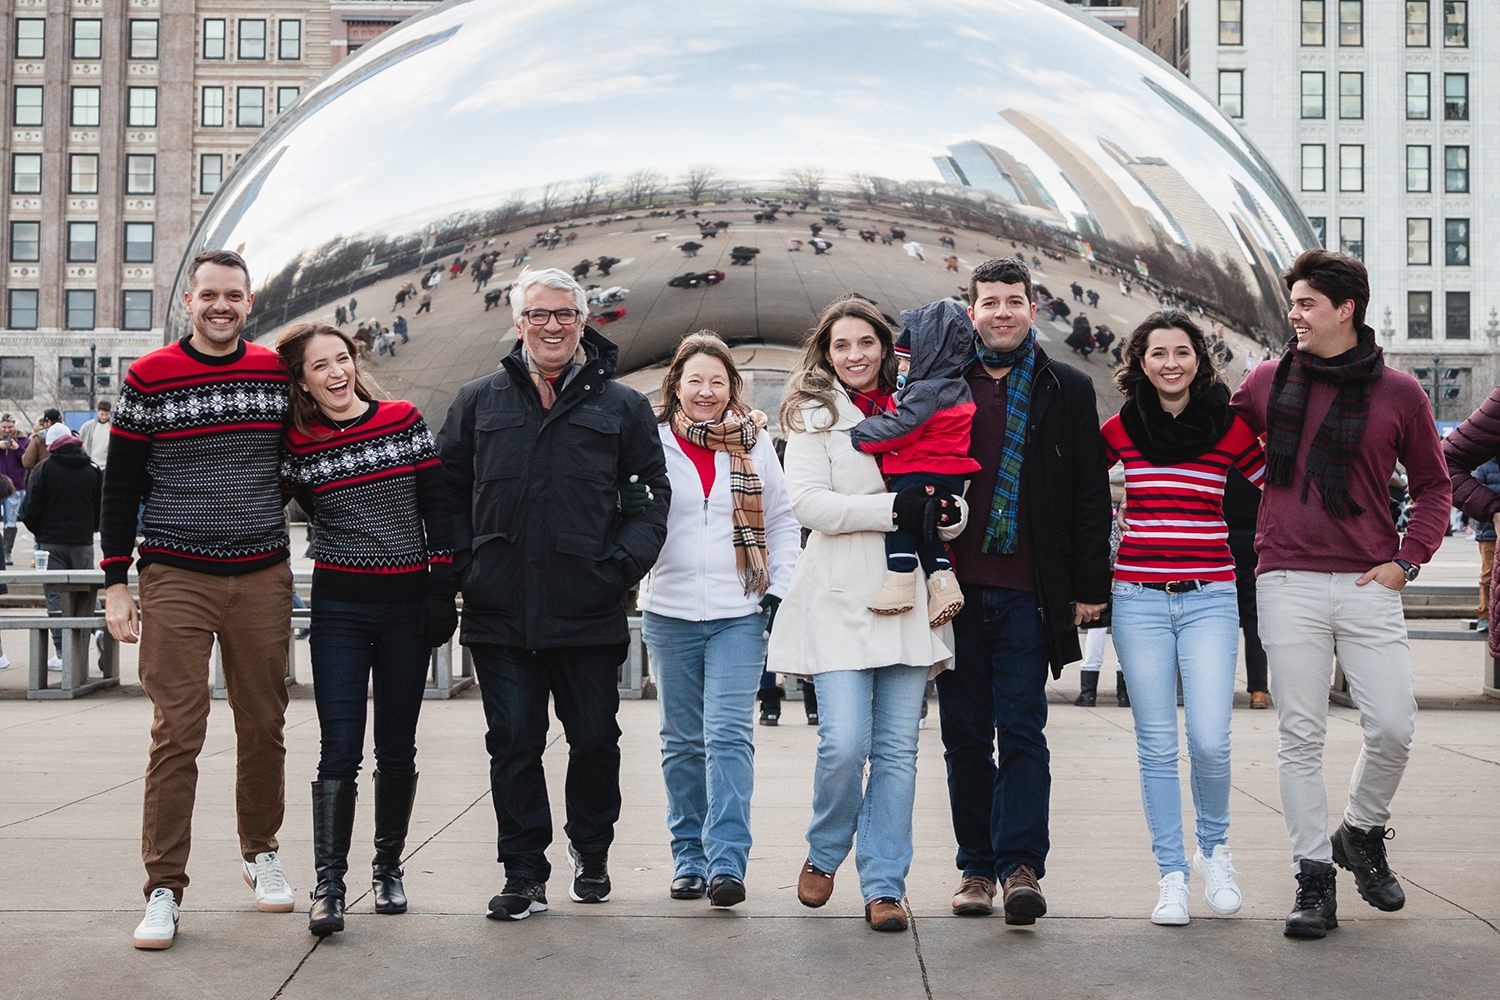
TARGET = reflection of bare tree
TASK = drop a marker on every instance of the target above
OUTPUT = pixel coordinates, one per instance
(551, 197)
(697, 180)
(867, 185)
(806, 181)
(642, 186)
(588, 191)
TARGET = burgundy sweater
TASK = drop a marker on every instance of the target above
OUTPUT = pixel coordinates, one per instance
(1301, 536)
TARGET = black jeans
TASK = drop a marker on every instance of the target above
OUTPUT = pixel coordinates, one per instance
(349, 642)
(584, 684)
(997, 690)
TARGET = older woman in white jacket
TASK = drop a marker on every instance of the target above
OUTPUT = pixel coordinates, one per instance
(708, 603)
(871, 669)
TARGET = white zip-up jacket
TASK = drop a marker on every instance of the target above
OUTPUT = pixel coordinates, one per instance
(695, 577)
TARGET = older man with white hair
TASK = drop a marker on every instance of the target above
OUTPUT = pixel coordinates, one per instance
(559, 492)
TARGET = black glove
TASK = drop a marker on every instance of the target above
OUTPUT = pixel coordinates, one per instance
(770, 604)
(634, 498)
(437, 620)
(921, 510)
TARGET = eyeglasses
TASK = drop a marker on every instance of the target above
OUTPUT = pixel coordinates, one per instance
(538, 317)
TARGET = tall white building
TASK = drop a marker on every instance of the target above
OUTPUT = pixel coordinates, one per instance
(1377, 114)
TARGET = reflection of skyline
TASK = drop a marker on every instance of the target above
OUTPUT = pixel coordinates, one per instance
(1197, 226)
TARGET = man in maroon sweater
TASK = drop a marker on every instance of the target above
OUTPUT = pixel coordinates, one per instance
(1336, 422)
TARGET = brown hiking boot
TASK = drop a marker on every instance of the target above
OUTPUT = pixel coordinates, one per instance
(1024, 901)
(975, 897)
(885, 914)
(814, 885)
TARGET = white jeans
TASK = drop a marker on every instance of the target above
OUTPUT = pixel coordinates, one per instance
(1094, 642)
(1307, 619)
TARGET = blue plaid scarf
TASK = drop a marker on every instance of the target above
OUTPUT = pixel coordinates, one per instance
(1000, 529)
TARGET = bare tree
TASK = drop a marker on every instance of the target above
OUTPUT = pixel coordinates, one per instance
(806, 181)
(588, 192)
(698, 180)
(550, 198)
(867, 186)
(642, 186)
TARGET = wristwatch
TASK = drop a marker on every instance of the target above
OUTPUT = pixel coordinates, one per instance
(1410, 569)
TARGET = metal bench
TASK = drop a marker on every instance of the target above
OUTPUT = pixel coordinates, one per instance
(1490, 666)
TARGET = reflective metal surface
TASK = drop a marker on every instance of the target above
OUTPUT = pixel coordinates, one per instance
(630, 129)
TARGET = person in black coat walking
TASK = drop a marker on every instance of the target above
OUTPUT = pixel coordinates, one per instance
(62, 510)
(559, 491)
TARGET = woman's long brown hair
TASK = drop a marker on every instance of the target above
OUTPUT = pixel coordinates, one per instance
(702, 342)
(815, 381)
(291, 349)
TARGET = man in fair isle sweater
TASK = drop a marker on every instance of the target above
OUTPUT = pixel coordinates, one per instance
(196, 435)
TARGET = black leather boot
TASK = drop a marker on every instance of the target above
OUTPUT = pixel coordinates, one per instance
(1089, 682)
(1363, 853)
(1122, 695)
(770, 706)
(394, 794)
(810, 703)
(333, 824)
(1315, 912)
(10, 543)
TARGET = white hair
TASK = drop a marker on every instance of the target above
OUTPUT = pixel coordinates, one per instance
(550, 277)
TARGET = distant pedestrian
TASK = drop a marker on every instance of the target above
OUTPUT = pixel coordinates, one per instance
(424, 304)
(353, 302)
(399, 328)
(62, 513)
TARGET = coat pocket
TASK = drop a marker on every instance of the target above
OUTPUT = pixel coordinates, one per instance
(583, 580)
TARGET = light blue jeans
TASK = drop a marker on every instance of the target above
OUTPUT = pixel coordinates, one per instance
(1156, 634)
(706, 677)
(12, 507)
(867, 715)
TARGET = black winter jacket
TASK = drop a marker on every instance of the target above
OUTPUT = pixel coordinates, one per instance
(544, 558)
(62, 499)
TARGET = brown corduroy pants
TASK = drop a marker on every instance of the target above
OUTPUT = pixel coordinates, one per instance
(181, 612)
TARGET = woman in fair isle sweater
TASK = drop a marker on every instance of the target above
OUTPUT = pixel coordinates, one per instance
(369, 476)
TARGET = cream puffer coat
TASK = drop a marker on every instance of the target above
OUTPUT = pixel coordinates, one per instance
(824, 624)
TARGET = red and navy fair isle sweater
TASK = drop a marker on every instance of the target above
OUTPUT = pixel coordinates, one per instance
(197, 438)
(370, 489)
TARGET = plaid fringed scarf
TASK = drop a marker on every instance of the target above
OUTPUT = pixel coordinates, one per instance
(1000, 529)
(1337, 442)
(737, 435)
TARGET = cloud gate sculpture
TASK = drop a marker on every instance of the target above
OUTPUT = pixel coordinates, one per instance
(866, 146)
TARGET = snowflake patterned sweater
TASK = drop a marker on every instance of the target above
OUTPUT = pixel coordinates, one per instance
(370, 489)
(197, 438)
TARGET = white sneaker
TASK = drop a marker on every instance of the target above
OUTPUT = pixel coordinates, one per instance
(54, 663)
(1172, 906)
(264, 875)
(158, 929)
(1217, 872)
(4, 662)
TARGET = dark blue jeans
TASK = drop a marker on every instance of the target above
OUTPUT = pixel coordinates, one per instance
(349, 642)
(584, 684)
(997, 689)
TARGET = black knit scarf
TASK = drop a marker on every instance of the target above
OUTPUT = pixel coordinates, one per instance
(1165, 440)
(1337, 442)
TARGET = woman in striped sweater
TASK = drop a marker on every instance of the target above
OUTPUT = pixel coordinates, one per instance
(1174, 607)
(369, 477)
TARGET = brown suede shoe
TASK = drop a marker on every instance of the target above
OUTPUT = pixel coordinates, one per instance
(975, 897)
(814, 885)
(885, 914)
(1024, 901)
(1258, 699)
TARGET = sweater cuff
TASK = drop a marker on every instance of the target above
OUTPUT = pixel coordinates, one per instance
(116, 570)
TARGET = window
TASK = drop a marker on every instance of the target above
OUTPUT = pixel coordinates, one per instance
(86, 107)
(1419, 241)
(140, 176)
(210, 172)
(1351, 95)
(1455, 25)
(80, 309)
(140, 242)
(1312, 95)
(137, 311)
(213, 107)
(83, 173)
(1231, 25)
(1416, 23)
(28, 109)
(1352, 237)
(250, 107)
(213, 38)
(1319, 225)
(1418, 107)
(1312, 22)
(1231, 92)
(143, 39)
(31, 38)
(1313, 167)
(1456, 242)
(142, 107)
(25, 241)
(22, 313)
(285, 98)
(83, 242)
(1183, 35)
(252, 39)
(17, 374)
(1419, 315)
(289, 40)
(26, 173)
(87, 39)
(1351, 22)
(1419, 168)
(1456, 169)
(1351, 168)
(1456, 97)
(1457, 315)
